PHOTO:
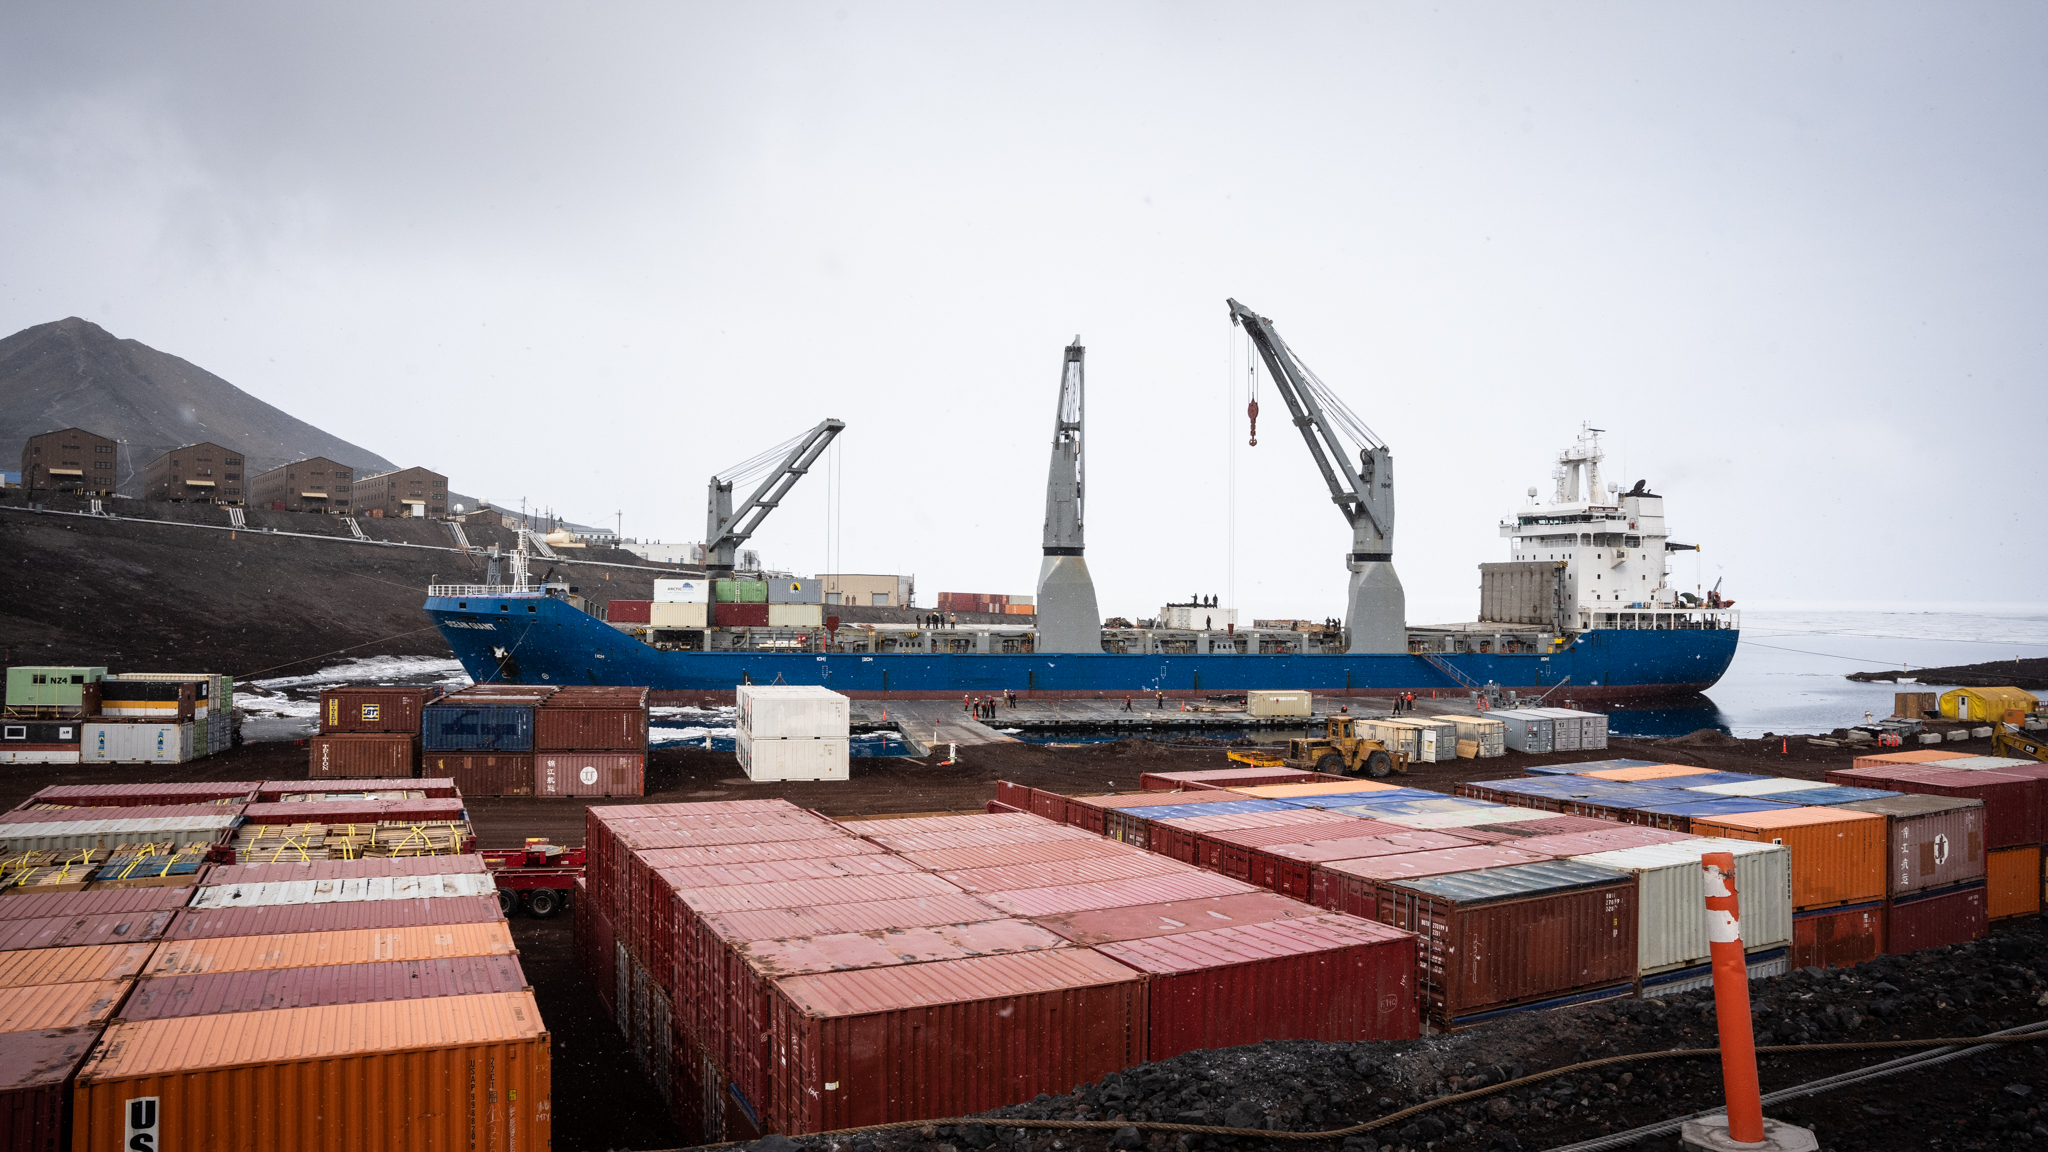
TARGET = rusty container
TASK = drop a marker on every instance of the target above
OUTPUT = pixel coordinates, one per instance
(140, 795)
(1004, 855)
(589, 773)
(340, 916)
(592, 720)
(1838, 855)
(1173, 917)
(888, 1044)
(213, 993)
(313, 949)
(389, 709)
(1936, 917)
(2013, 882)
(81, 965)
(1047, 874)
(96, 901)
(89, 929)
(39, 1007)
(353, 755)
(1352, 885)
(471, 1072)
(436, 787)
(1930, 841)
(1282, 868)
(484, 773)
(1838, 937)
(36, 1073)
(1327, 977)
(1515, 937)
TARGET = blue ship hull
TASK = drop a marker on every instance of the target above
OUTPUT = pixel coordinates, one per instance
(532, 639)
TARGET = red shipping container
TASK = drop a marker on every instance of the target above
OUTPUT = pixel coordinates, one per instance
(1933, 842)
(1189, 885)
(1017, 796)
(427, 811)
(575, 724)
(1225, 778)
(288, 870)
(1553, 826)
(485, 773)
(660, 858)
(279, 919)
(1287, 818)
(138, 795)
(36, 1073)
(589, 773)
(1229, 850)
(739, 615)
(92, 928)
(2012, 806)
(1005, 855)
(1317, 978)
(886, 1044)
(920, 825)
(1838, 937)
(32, 905)
(1145, 921)
(215, 993)
(374, 709)
(353, 755)
(723, 875)
(1283, 868)
(437, 787)
(1932, 919)
(1039, 832)
(1096, 870)
(629, 611)
(1515, 937)
(1352, 885)
(1612, 838)
(1053, 806)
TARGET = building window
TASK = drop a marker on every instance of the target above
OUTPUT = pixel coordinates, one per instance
(232, 476)
(341, 487)
(104, 449)
(103, 466)
(878, 599)
(234, 491)
(234, 461)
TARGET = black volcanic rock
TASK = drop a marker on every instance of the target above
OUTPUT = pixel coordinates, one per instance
(73, 373)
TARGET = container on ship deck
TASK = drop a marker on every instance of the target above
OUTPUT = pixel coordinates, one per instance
(589, 773)
(484, 773)
(475, 1071)
(1518, 936)
(1671, 933)
(1838, 856)
(880, 1045)
(1328, 977)
(739, 615)
(618, 611)
(1354, 885)
(455, 724)
(215, 993)
(389, 709)
(383, 755)
(1838, 937)
(2012, 879)
(1933, 917)
(1931, 841)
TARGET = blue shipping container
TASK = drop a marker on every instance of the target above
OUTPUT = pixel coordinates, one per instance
(476, 728)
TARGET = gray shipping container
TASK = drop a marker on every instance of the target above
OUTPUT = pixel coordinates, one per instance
(1590, 728)
(75, 835)
(1525, 731)
(1565, 728)
(136, 742)
(796, 591)
(1489, 734)
(1523, 592)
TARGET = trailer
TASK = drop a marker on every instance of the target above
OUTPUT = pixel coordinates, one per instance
(539, 876)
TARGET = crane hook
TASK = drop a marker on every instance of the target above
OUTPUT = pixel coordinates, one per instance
(1252, 410)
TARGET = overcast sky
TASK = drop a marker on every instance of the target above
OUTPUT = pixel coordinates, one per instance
(1791, 257)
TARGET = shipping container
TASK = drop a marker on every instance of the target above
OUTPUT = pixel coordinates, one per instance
(39, 1007)
(140, 795)
(1319, 787)
(150, 812)
(1098, 870)
(1174, 917)
(73, 835)
(94, 928)
(1921, 756)
(36, 686)
(882, 834)
(143, 742)
(18, 732)
(742, 854)
(681, 590)
(1050, 901)
(261, 990)
(17, 904)
(1556, 825)
(39, 754)
(1671, 926)
(81, 965)
(796, 616)
(567, 724)
(2012, 805)
(2012, 878)
(1354, 885)
(353, 916)
(362, 754)
(794, 759)
(302, 949)
(1525, 731)
(1006, 855)
(1608, 839)
(295, 870)
(1222, 778)
(1641, 772)
(1591, 728)
(424, 810)
(354, 890)
(478, 725)
(1774, 788)
(589, 773)
(484, 773)
(1838, 856)
(740, 591)
(796, 590)
(791, 712)
(1327, 977)
(1836, 795)
(882, 1045)
(387, 709)
(1515, 936)
(1488, 737)
(1231, 850)
(35, 1096)
(1931, 841)
(740, 615)
(1680, 816)
(628, 611)
(723, 874)
(472, 1072)
(1838, 937)
(1936, 917)
(663, 614)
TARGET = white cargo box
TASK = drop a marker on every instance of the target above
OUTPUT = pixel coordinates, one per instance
(74, 835)
(136, 743)
(673, 590)
(1274, 702)
(38, 756)
(1590, 731)
(675, 614)
(1670, 931)
(1489, 737)
(1398, 737)
(792, 712)
(822, 759)
(352, 890)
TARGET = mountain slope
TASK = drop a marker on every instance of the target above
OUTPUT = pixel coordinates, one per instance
(73, 373)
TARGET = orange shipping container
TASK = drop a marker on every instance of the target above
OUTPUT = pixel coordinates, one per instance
(467, 1072)
(2012, 879)
(1648, 772)
(30, 966)
(44, 1006)
(352, 946)
(1922, 756)
(1838, 857)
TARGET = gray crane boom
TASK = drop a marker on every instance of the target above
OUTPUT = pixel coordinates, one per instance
(726, 527)
(1375, 617)
(1069, 619)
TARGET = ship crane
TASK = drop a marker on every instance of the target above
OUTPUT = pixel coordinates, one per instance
(1069, 619)
(1376, 609)
(726, 527)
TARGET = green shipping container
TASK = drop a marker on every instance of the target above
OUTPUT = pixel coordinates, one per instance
(741, 591)
(49, 687)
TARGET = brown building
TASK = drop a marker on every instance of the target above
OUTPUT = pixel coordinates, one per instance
(202, 473)
(70, 460)
(315, 484)
(406, 492)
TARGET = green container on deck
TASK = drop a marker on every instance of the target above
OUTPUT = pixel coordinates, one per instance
(49, 687)
(741, 591)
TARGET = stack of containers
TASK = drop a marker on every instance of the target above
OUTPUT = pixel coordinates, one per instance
(1671, 933)
(482, 738)
(368, 732)
(793, 732)
(1838, 877)
(794, 603)
(591, 742)
(33, 740)
(1934, 869)
(213, 729)
(739, 603)
(679, 602)
(145, 722)
(2014, 808)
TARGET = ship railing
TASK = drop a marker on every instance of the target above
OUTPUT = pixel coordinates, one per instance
(1668, 619)
(480, 591)
(1447, 668)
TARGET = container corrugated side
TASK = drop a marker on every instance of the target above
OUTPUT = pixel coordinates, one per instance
(355, 755)
(312, 949)
(34, 905)
(39, 1007)
(1327, 977)
(91, 962)
(274, 919)
(1671, 928)
(476, 726)
(1051, 901)
(1000, 855)
(146, 812)
(475, 1071)
(36, 1071)
(436, 786)
(484, 773)
(264, 989)
(1048, 874)
(135, 795)
(1931, 841)
(1933, 919)
(2013, 882)
(424, 810)
(80, 931)
(1838, 937)
(589, 773)
(1838, 856)
(359, 889)
(883, 1045)
(374, 709)
(76, 835)
(579, 729)
(1173, 917)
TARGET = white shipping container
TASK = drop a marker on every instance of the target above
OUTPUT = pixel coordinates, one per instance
(825, 759)
(29, 756)
(136, 743)
(354, 890)
(1567, 733)
(73, 835)
(1772, 787)
(1489, 735)
(673, 614)
(792, 712)
(1272, 702)
(1671, 929)
(1524, 731)
(672, 590)
(796, 615)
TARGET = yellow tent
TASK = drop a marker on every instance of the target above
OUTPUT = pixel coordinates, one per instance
(1985, 703)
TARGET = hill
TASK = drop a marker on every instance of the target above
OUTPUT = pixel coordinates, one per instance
(74, 373)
